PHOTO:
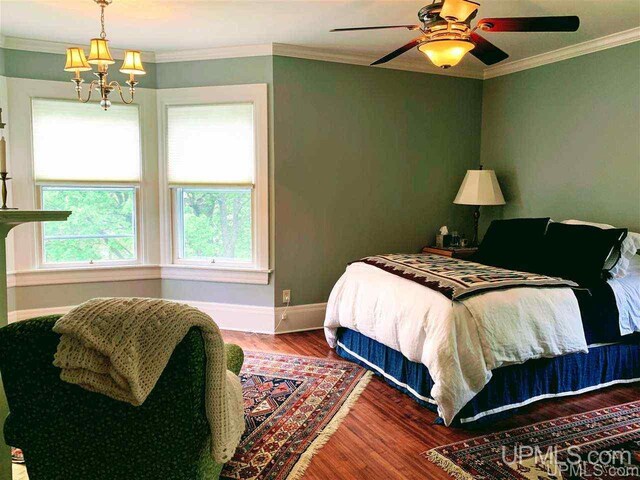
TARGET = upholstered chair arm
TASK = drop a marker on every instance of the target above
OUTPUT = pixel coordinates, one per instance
(235, 357)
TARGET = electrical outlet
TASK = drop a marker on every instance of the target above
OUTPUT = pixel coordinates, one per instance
(286, 296)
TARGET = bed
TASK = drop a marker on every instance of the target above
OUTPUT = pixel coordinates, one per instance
(481, 355)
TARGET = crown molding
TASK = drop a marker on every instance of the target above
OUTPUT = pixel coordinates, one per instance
(297, 51)
(215, 53)
(565, 53)
(44, 46)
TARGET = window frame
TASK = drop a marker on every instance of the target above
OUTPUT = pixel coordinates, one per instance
(137, 185)
(93, 263)
(257, 270)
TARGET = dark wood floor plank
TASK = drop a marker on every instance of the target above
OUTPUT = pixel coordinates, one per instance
(385, 431)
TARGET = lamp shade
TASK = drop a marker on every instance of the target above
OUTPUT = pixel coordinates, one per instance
(446, 53)
(76, 61)
(132, 63)
(99, 53)
(480, 187)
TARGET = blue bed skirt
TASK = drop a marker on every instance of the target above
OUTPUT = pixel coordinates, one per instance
(511, 387)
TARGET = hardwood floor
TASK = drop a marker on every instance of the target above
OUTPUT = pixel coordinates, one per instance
(385, 431)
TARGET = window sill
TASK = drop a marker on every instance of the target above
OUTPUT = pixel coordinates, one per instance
(96, 274)
(216, 274)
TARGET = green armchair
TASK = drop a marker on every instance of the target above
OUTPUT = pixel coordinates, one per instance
(68, 433)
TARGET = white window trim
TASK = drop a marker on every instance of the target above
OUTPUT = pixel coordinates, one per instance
(258, 271)
(121, 273)
(154, 263)
(25, 193)
(37, 191)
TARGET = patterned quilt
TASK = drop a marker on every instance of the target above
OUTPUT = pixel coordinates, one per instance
(456, 278)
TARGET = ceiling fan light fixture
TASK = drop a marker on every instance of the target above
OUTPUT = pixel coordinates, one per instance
(446, 53)
(458, 10)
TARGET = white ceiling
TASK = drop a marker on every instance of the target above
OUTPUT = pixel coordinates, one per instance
(162, 25)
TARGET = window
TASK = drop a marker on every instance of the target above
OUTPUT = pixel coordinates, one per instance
(87, 161)
(216, 170)
(102, 227)
(214, 224)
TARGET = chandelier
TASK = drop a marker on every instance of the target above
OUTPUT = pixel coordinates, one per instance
(100, 56)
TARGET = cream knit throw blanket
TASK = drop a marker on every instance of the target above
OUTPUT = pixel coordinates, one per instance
(120, 346)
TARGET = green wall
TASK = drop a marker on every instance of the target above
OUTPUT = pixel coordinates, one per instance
(564, 138)
(2, 62)
(47, 296)
(228, 71)
(368, 161)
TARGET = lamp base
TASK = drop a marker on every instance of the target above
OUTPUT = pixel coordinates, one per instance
(476, 221)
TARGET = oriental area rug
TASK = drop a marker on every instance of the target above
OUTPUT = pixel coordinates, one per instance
(292, 405)
(601, 444)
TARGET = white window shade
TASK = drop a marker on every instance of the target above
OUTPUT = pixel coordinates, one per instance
(73, 141)
(211, 144)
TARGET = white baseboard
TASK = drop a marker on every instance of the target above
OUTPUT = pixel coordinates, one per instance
(243, 318)
(300, 318)
(228, 316)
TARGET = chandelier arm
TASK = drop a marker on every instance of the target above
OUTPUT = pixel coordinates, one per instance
(79, 91)
(116, 85)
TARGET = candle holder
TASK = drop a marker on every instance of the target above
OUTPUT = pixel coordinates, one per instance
(4, 191)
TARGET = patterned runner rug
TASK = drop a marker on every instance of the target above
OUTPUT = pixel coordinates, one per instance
(601, 444)
(292, 405)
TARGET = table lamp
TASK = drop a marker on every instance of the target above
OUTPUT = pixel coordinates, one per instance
(479, 187)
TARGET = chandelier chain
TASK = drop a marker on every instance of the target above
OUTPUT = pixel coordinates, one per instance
(103, 34)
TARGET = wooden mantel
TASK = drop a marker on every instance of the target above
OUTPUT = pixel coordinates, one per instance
(8, 220)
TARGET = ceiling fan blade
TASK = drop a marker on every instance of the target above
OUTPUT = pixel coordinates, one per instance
(530, 24)
(458, 10)
(396, 53)
(485, 51)
(352, 29)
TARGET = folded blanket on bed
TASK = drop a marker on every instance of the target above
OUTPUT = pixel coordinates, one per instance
(457, 279)
(119, 347)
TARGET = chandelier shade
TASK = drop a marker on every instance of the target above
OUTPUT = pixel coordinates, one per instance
(132, 63)
(99, 53)
(76, 61)
(446, 53)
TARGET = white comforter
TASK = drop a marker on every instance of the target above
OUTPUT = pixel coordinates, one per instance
(459, 342)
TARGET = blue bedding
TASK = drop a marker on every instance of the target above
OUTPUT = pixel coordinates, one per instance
(512, 386)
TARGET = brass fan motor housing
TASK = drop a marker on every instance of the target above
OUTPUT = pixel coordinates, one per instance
(435, 27)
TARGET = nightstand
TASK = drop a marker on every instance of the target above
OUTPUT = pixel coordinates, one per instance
(454, 252)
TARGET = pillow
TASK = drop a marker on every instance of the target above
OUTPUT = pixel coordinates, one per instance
(618, 262)
(578, 252)
(511, 243)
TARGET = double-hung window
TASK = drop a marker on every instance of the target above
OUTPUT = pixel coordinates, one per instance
(88, 161)
(216, 171)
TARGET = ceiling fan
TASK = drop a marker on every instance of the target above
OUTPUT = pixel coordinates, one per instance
(447, 36)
